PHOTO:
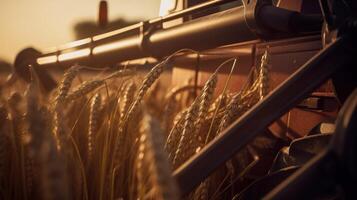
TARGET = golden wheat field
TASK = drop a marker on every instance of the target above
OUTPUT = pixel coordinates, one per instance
(119, 135)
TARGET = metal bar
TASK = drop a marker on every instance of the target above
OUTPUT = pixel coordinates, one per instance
(147, 39)
(190, 10)
(224, 26)
(135, 27)
(301, 83)
(50, 58)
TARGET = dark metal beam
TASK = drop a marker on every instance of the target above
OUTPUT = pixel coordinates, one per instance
(336, 165)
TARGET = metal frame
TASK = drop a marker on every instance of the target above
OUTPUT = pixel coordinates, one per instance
(336, 165)
(239, 24)
(338, 55)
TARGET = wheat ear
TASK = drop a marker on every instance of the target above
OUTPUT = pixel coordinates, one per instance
(149, 79)
(128, 97)
(206, 99)
(85, 88)
(120, 73)
(174, 136)
(93, 124)
(170, 104)
(152, 157)
(193, 122)
(218, 103)
(88, 86)
(263, 71)
(65, 84)
(230, 112)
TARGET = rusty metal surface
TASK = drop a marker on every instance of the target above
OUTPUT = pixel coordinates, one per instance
(286, 57)
(288, 94)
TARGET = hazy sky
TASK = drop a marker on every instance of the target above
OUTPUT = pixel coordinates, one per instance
(47, 23)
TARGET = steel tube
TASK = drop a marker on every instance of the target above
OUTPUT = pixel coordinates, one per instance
(148, 39)
(222, 28)
(207, 32)
(219, 29)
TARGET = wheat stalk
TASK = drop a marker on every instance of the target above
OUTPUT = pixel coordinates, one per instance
(201, 191)
(4, 144)
(218, 103)
(54, 175)
(29, 171)
(174, 91)
(54, 182)
(120, 74)
(244, 99)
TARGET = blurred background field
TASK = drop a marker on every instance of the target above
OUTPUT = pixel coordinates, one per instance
(22, 22)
